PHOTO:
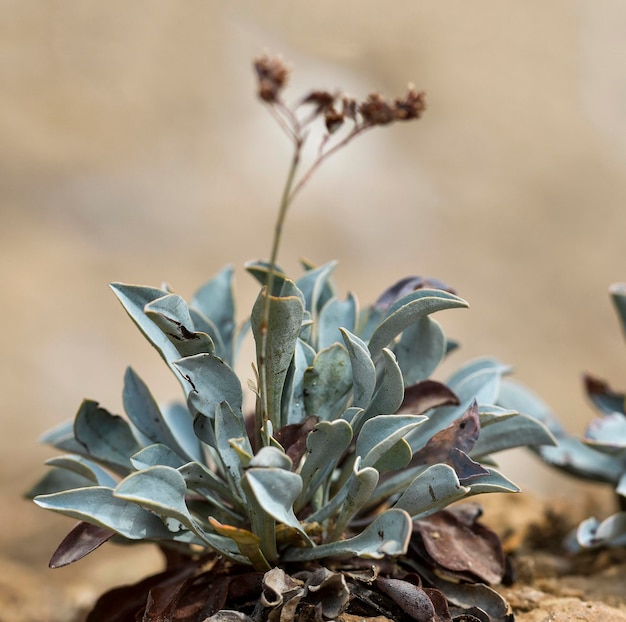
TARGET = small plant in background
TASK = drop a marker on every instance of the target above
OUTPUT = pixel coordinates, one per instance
(601, 453)
(331, 498)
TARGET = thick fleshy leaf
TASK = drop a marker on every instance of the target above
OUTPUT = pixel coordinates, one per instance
(58, 480)
(432, 490)
(180, 422)
(144, 412)
(420, 349)
(162, 490)
(618, 296)
(62, 437)
(608, 431)
(275, 491)
(134, 298)
(97, 506)
(327, 383)
(171, 314)
(156, 454)
(611, 532)
(215, 301)
(494, 482)
(334, 315)
(314, 284)
(379, 435)
(82, 540)
(248, 542)
(363, 369)
(359, 489)
(293, 437)
(107, 438)
(408, 310)
(387, 534)
(273, 457)
(407, 285)
(229, 426)
(325, 444)
(603, 397)
(212, 382)
(199, 478)
(293, 395)
(83, 467)
(389, 392)
(260, 271)
(518, 431)
(285, 320)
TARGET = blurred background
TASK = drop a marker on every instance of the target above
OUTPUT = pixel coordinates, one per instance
(132, 148)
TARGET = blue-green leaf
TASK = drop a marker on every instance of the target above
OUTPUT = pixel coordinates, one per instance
(293, 395)
(420, 349)
(180, 422)
(327, 383)
(97, 505)
(315, 287)
(144, 412)
(363, 369)
(285, 320)
(408, 310)
(107, 438)
(134, 298)
(216, 302)
(388, 534)
(154, 455)
(212, 382)
(432, 490)
(334, 315)
(229, 426)
(171, 314)
(83, 467)
(618, 295)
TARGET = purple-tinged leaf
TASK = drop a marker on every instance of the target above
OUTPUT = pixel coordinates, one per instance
(79, 542)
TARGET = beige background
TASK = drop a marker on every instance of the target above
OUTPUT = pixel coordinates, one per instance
(132, 148)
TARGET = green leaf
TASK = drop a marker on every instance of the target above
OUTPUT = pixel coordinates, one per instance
(97, 505)
(494, 482)
(363, 369)
(335, 314)
(327, 383)
(285, 320)
(212, 382)
(180, 422)
(260, 271)
(58, 480)
(107, 438)
(420, 349)
(216, 302)
(408, 310)
(387, 535)
(432, 490)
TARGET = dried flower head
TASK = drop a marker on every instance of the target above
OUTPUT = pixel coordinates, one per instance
(333, 119)
(320, 99)
(272, 74)
(411, 106)
(376, 111)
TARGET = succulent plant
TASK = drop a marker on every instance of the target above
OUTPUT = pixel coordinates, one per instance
(352, 452)
(600, 455)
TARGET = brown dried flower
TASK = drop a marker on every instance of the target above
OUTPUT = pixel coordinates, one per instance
(320, 99)
(376, 111)
(272, 75)
(333, 119)
(411, 107)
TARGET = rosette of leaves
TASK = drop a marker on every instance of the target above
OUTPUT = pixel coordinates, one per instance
(357, 448)
(600, 455)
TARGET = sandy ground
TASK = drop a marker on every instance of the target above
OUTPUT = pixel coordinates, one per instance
(132, 148)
